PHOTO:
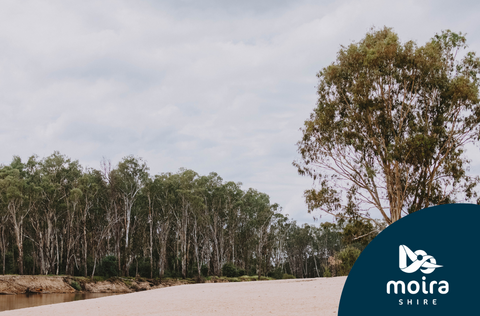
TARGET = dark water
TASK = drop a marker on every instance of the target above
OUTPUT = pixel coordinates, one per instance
(8, 302)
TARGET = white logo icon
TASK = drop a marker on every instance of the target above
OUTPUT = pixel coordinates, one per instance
(419, 259)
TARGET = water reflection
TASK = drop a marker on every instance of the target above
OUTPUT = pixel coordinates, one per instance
(8, 302)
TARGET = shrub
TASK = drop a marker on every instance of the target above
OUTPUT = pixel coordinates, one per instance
(288, 276)
(142, 267)
(327, 273)
(241, 272)
(348, 256)
(229, 270)
(76, 286)
(109, 266)
(204, 270)
(276, 273)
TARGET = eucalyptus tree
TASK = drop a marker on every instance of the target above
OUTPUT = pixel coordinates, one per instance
(280, 230)
(214, 214)
(259, 213)
(165, 195)
(188, 202)
(3, 237)
(150, 195)
(111, 202)
(298, 240)
(101, 220)
(132, 174)
(13, 195)
(390, 125)
(88, 190)
(233, 207)
(71, 226)
(199, 238)
(56, 176)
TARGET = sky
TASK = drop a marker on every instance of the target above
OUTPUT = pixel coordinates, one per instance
(213, 86)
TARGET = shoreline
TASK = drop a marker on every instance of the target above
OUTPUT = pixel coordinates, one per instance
(47, 284)
(319, 296)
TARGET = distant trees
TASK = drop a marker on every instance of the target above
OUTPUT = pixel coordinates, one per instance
(390, 125)
(57, 217)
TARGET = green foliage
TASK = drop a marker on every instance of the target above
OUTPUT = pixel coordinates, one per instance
(98, 278)
(143, 268)
(162, 226)
(204, 270)
(252, 271)
(348, 256)
(288, 276)
(109, 266)
(327, 273)
(76, 285)
(276, 273)
(390, 124)
(229, 270)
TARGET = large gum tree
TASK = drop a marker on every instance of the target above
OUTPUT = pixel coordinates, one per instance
(390, 126)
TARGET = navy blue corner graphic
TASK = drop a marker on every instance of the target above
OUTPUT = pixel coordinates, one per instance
(427, 263)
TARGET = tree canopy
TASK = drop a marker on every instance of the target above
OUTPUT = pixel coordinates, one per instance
(57, 217)
(390, 126)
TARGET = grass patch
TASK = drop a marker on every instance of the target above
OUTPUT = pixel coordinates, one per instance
(248, 278)
(76, 285)
(98, 279)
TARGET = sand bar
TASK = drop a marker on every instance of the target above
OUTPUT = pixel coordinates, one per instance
(282, 297)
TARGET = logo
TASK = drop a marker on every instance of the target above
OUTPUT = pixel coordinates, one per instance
(420, 260)
(409, 268)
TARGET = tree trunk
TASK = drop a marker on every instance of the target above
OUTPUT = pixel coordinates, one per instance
(151, 245)
(163, 236)
(3, 247)
(85, 272)
(17, 227)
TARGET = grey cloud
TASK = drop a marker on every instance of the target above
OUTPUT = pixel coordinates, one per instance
(218, 86)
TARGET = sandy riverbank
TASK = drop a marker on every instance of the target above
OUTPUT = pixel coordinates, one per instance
(282, 297)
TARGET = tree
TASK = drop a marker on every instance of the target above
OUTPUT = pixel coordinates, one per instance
(132, 173)
(12, 188)
(390, 125)
(259, 213)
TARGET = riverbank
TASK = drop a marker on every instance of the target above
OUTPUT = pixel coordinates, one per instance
(318, 296)
(41, 284)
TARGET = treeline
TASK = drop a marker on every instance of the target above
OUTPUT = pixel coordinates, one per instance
(57, 217)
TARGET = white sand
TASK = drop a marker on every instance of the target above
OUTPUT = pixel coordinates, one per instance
(283, 297)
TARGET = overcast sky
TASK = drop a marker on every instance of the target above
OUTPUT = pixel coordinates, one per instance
(210, 85)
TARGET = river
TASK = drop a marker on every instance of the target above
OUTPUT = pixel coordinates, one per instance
(8, 302)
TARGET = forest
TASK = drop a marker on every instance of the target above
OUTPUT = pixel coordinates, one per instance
(57, 217)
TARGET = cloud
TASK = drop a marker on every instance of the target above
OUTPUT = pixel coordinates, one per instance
(218, 86)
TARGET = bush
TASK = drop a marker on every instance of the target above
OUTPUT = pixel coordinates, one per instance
(327, 273)
(241, 272)
(276, 273)
(229, 270)
(288, 276)
(204, 270)
(348, 256)
(76, 286)
(143, 265)
(109, 266)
